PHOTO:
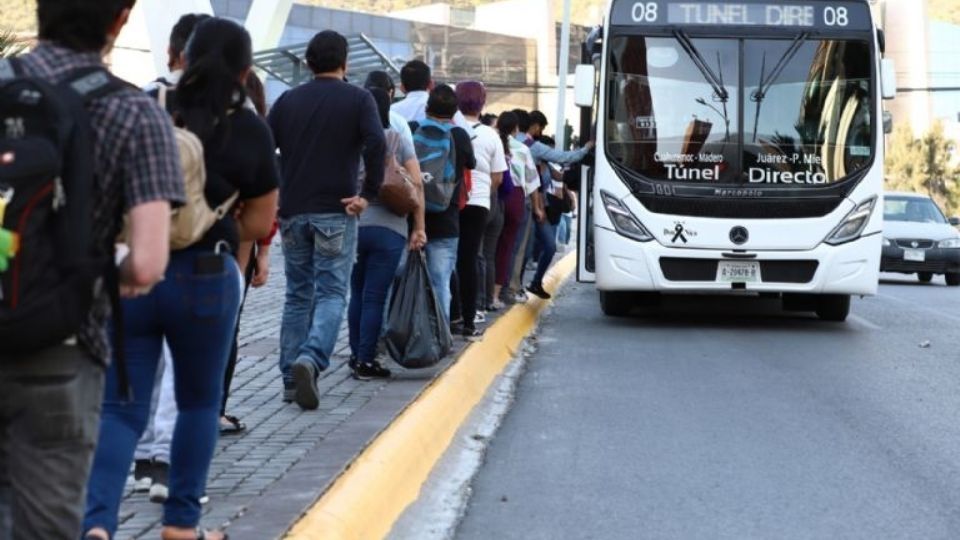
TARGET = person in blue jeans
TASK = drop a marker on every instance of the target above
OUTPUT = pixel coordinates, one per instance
(321, 128)
(195, 307)
(381, 242)
(443, 228)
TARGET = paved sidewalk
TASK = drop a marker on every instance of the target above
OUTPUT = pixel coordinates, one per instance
(278, 435)
(262, 480)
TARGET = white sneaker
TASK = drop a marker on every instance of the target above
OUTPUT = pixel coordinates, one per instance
(521, 297)
(159, 491)
(142, 485)
(142, 476)
(480, 318)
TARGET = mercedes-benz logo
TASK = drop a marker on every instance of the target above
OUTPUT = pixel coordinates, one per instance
(739, 235)
(915, 244)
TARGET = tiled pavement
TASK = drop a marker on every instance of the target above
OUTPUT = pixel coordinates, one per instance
(278, 435)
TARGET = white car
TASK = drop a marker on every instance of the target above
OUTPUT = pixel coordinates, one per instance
(918, 239)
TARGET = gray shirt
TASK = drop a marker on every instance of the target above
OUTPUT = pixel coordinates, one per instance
(377, 215)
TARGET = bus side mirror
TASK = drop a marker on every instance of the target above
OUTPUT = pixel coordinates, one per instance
(955, 221)
(888, 78)
(584, 87)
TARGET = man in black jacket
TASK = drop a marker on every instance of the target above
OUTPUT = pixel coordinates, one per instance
(322, 129)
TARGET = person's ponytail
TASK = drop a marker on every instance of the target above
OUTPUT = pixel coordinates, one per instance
(507, 123)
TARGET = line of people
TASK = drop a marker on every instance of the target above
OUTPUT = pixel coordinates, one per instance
(147, 387)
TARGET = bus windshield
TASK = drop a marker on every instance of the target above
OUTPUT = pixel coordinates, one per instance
(678, 111)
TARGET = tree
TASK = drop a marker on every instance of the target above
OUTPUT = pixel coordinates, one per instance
(924, 165)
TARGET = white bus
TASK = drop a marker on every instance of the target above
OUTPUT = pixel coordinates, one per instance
(739, 150)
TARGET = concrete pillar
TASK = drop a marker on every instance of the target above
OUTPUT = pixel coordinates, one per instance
(266, 21)
(908, 44)
(140, 55)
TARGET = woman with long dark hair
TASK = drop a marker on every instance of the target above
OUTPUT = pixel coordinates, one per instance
(195, 307)
(254, 260)
(526, 180)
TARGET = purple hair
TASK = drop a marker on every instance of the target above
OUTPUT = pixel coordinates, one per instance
(472, 96)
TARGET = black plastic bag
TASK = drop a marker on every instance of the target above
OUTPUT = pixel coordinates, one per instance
(417, 335)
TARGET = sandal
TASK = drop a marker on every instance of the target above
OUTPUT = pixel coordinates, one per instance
(231, 425)
(202, 535)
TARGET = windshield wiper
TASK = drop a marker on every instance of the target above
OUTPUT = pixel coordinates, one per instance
(708, 74)
(767, 82)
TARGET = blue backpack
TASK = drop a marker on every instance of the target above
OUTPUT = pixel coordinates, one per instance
(433, 144)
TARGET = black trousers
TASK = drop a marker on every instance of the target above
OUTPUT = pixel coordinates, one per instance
(235, 348)
(473, 223)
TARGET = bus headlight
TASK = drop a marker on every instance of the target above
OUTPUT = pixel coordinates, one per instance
(623, 219)
(952, 243)
(852, 226)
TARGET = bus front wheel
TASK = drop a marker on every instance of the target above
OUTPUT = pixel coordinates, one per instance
(833, 307)
(616, 303)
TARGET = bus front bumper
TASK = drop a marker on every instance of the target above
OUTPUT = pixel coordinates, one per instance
(627, 265)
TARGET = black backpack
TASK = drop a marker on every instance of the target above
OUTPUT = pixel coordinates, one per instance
(47, 185)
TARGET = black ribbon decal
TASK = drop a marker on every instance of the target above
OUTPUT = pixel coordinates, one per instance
(679, 235)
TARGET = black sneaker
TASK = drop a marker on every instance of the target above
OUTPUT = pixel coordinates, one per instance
(142, 475)
(159, 490)
(472, 334)
(289, 392)
(456, 328)
(538, 291)
(372, 370)
(306, 393)
(352, 363)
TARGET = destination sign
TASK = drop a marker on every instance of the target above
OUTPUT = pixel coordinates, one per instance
(824, 15)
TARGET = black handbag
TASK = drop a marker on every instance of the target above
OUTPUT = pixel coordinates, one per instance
(557, 206)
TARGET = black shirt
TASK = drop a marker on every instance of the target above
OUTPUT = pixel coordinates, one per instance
(240, 158)
(321, 128)
(446, 224)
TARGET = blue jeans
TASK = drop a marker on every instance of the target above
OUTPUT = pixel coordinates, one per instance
(318, 251)
(378, 254)
(546, 235)
(441, 261)
(196, 313)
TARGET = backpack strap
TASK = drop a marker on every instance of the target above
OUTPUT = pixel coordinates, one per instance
(93, 83)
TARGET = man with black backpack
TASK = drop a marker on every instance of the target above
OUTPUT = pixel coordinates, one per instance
(80, 148)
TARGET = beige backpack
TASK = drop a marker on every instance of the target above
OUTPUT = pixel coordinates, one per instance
(190, 222)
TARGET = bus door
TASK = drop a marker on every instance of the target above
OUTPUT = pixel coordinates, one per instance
(586, 261)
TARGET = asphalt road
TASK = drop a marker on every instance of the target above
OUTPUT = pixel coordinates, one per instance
(731, 419)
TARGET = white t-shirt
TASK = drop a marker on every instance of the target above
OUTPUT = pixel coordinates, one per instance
(523, 169)
(488, 150)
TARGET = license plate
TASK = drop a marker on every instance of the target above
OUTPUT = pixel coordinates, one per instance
(914, 255)
(738, 272)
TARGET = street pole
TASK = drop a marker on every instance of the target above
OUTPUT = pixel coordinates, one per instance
(560, 131)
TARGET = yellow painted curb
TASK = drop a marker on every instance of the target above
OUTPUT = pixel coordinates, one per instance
(366, 500)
